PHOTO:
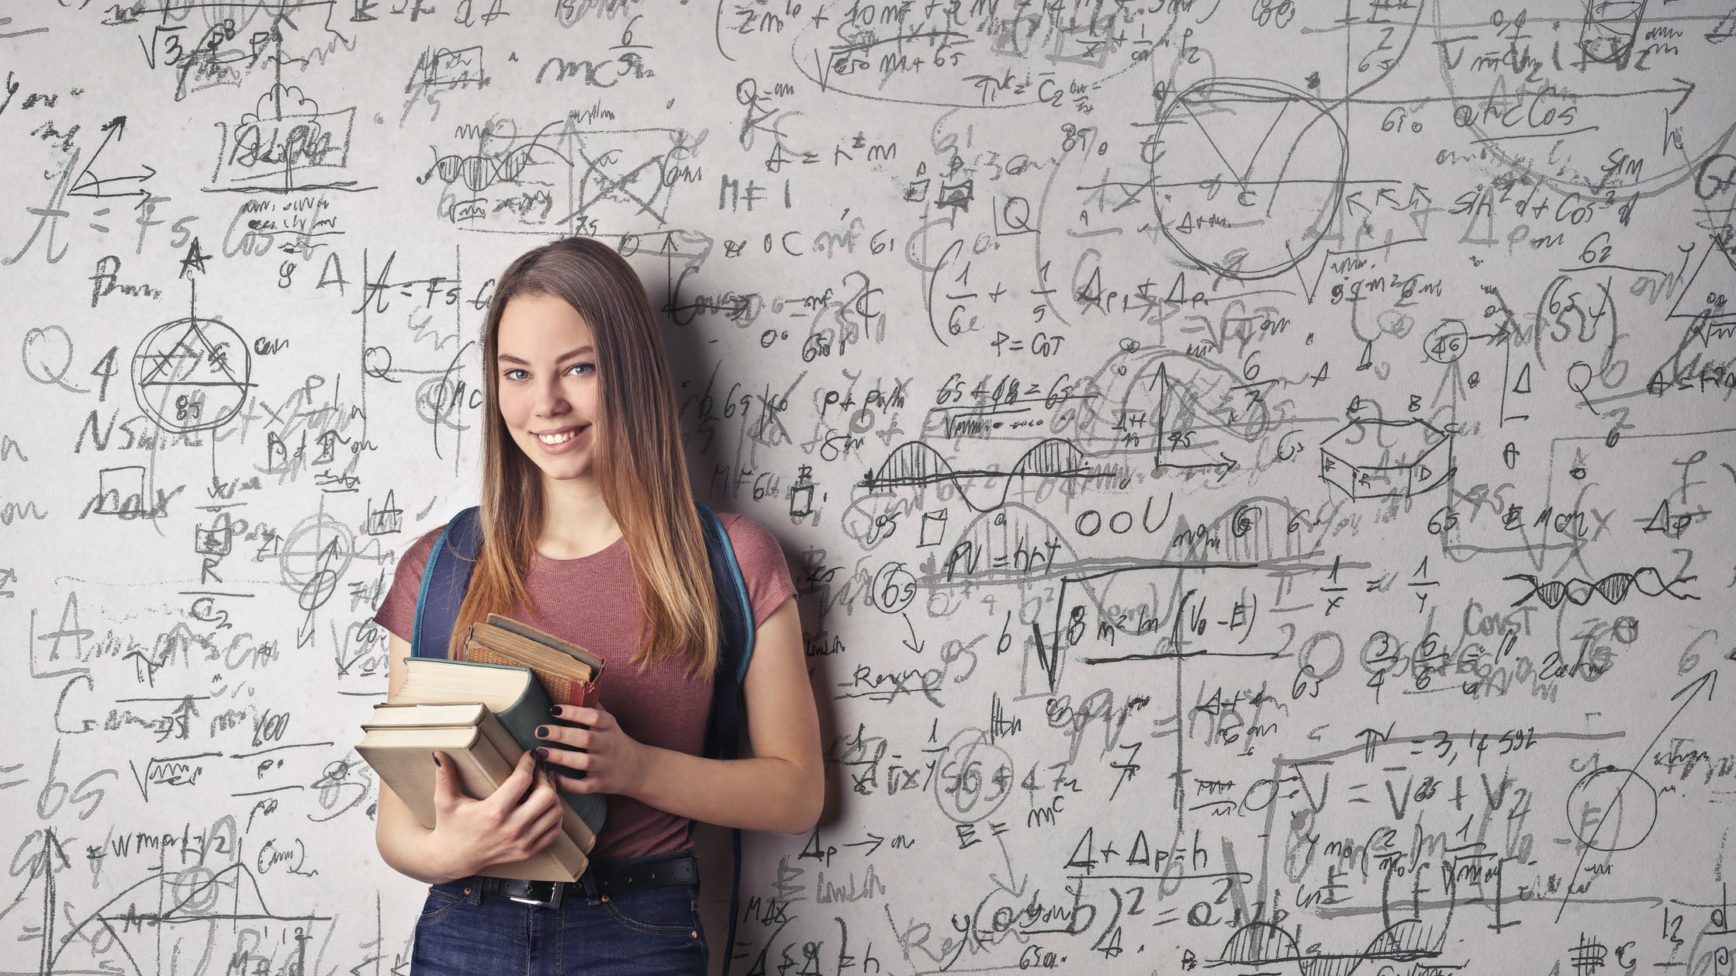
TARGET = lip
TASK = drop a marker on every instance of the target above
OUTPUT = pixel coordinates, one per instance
(564, 446)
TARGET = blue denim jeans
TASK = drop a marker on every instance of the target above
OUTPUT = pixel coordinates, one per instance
(647, 930)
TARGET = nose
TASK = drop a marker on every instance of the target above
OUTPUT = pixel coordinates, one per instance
(551, 400)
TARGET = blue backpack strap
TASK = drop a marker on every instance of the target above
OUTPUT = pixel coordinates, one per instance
(445, 577)
(735, 650)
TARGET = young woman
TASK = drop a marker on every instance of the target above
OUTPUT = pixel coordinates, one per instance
(590, 533)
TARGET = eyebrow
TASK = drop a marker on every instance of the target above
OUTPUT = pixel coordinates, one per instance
(503, 357)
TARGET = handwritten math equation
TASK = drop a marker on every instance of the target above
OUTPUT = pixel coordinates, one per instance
(1259, 477)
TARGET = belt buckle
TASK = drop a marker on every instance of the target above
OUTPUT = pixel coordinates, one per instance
(552, 901)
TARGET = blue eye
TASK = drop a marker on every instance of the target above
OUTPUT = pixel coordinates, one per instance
(508, 373)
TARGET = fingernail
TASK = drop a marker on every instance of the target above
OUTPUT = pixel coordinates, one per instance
(542, 752)
(555, 710)
(436, 759)
(542, 731)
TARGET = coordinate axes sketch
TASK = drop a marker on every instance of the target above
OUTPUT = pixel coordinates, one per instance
(1259, 476)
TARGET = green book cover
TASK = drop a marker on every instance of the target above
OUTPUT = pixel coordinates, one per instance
(520, 719)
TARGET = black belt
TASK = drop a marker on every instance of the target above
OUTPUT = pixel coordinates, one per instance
(600, 880)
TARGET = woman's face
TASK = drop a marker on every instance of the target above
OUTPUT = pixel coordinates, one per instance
(546, 368)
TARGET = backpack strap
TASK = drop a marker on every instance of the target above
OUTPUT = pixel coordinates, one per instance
(735, 650)
(736, 635)
(445, 577)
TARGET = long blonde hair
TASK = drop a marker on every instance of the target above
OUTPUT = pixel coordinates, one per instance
(640, 468)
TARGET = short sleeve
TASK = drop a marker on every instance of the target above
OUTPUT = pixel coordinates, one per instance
(398, 610)
(762, 561)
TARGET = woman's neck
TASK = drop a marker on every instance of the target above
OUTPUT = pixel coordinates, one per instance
(576, 521)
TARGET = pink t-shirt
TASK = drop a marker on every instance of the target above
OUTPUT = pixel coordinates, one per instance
(593, 603)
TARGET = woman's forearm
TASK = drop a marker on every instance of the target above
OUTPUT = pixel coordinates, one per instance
(407, 846)
(417, 857)
(761, 793)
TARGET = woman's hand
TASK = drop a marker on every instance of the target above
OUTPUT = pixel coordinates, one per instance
(613, 761)
(498, 828)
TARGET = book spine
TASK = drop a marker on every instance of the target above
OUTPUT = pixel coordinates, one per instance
(521, 721)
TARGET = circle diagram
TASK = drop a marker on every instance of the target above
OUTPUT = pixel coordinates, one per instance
(1247, 176)
(1612, 809)
(191, 374)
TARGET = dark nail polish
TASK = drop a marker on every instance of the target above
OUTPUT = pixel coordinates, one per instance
(555, 710)
(436, 759)
(542, 752)
(542, 731)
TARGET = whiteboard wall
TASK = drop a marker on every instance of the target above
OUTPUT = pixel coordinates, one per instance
(1259, 475)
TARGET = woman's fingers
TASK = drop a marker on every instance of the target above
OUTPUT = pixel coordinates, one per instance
(512, 789)
(578, 772)
(565, 758)
(446, 792)
(547, 835)
(581, 781)
(552, 817)
(566, 735)
(544, 825)
(586, 715)
(544, 798)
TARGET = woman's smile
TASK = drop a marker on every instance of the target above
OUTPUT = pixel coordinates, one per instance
(564, 439)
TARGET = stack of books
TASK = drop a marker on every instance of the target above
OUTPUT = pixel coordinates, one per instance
(482, 709)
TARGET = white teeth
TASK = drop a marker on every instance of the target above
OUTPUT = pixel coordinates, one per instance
(552, 440)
